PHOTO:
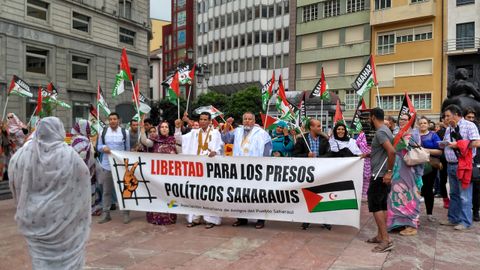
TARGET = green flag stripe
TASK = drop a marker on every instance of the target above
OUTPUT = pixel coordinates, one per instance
(336, 205)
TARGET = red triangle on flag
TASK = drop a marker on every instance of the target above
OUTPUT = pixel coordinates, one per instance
(270, 120)
(311, 198)
(338, 113)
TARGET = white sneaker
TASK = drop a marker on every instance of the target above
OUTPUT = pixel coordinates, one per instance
(431, 218)
(422, 199)
(460, 227)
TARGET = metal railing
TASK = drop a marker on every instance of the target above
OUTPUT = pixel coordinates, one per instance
(465, 43)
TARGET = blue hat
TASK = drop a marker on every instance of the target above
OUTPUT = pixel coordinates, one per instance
(281, 124)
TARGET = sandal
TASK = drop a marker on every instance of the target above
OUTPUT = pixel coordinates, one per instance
(305, 226)
(192, 224)
(239, 223)
(209, 225)
(374, 240)
(409, 231)
(384, 246)
(259, 225)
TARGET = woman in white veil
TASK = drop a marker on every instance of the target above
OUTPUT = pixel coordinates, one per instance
(51, 187)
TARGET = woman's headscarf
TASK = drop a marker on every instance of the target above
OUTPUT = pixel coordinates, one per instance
(14, 124)
(81, 139)
(335, 134)
(51, 187)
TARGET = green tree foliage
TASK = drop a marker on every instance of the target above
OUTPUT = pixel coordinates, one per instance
(249, 99)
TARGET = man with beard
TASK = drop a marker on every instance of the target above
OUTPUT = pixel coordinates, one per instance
(248, 140)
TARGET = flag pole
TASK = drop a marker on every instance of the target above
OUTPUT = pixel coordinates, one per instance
(137, 103)
(178, 107)
(31, 116)
(266, 115)
(188, 98)
(5, 108)
(378, 98)
(303, 136)
(321, 111)
(98, 111)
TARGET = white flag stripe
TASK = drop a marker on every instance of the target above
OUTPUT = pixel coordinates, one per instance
(337, 195)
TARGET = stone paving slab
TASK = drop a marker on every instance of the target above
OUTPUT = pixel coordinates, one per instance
(280, 245)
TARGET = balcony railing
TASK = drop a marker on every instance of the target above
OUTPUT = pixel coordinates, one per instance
(462, 44)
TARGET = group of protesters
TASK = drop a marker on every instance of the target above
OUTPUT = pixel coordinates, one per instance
(53, 183)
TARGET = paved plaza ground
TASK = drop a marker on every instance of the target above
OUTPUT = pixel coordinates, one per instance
(280, 245)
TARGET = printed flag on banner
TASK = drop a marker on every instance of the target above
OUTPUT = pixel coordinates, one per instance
(283, 106)
(102, 103)
(267, 92)
(19, 87)
(366, 79)
(321, 88)
(331, 197)
(38, 109)
(407, 108)
(50, 95)
(338, 114)
(214, 112)
(123, 75)
(173, 92)
(356, 126)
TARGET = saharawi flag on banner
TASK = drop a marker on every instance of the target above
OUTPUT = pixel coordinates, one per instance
(366, 79)
(331, 197)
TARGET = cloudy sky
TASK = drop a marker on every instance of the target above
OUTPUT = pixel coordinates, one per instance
(160, 9)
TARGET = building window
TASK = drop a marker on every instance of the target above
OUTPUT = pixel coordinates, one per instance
(235, 17)
(279, 35)
(279, 9)
(381, 4)
(249, 38)
(310, 13)
(80, 66)
(386, 44)
(257, 37)
(351, 100)
(263, 63)
(418, 1)
(286, 61)
(249, 14)
(80, 22)
(355, 5)
(465, 2)
(127, 36)
(286, 6)
(264, 38)
(465, 35)
(286, 33)
(271, 11)
(394, 102)
(229, 67)
(125, 8)
(264, 11)
(332, 8)
(151, 72)
(235, 66)
(80, 110)
(36, 60)
(37, 9)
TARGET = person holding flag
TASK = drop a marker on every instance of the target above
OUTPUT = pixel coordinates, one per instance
(282, 142)
(383, 158)
(248, 140)
(404, 200)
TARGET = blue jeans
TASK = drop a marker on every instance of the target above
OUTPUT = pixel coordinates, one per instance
(460, 209)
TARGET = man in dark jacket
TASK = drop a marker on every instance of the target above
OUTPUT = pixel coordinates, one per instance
(316, 140)
(318, 146)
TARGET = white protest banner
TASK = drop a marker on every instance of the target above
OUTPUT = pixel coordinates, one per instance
(314, 190)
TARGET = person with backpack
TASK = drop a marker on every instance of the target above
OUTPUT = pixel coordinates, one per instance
(112, 138)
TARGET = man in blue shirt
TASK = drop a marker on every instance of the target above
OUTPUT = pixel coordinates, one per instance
(113, 138)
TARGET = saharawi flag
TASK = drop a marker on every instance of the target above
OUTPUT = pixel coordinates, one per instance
(366, 79)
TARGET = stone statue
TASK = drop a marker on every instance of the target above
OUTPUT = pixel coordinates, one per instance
(462, 92)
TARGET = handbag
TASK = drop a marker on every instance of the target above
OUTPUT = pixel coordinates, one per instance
(416, 155)
(436, 163)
